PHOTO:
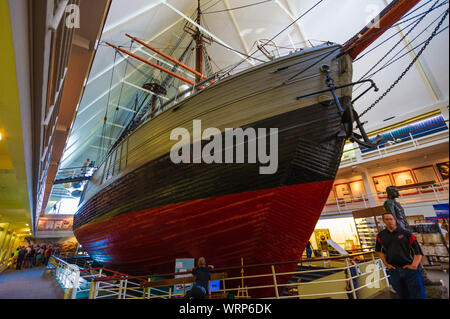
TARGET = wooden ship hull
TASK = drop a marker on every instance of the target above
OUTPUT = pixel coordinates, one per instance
(140, 211)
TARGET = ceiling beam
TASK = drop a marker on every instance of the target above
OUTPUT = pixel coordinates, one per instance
(89, 137)
(420, 67)
(132, 16)
(133, 51)
(116, 63)
(204, 30)
(289, 11)
(145, 90)
(236, 27)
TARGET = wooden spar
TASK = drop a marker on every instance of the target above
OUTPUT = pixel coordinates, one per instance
(391, 14)
(198, 46)
(166, 56)
(151, 64)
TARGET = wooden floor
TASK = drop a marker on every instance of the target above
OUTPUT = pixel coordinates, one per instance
(29, 284)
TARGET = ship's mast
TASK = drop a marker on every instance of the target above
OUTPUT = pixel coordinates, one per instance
(198, 47)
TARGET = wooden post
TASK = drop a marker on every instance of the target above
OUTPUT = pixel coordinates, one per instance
(351, 279)
(242, 291)
(274, 275)
(91, 290)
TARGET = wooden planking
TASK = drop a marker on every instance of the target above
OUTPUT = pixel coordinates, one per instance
(223, 105)
(143, 218)
(162, 182)
(149, 241)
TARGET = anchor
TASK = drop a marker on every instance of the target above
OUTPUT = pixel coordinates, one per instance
(349, 116)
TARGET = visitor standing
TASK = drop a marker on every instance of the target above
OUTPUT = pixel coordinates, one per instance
(202, 274)
(400, 252)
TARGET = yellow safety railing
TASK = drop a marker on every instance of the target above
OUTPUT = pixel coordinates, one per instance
(7, 264)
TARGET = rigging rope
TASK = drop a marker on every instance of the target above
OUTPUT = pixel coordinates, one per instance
(215, 3)
(399, 41)
(292, 23)
(404, 28)
(382, 30)
(241, 7)
(410, 50)
(392, 60)
(102, 138)
(112, 128)
(435, 32)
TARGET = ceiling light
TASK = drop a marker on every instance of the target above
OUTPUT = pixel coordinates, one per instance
(0, 136)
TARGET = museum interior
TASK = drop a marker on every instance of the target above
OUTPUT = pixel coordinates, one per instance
(281, 149)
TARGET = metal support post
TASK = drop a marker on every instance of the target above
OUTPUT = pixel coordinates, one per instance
(351, 279)
(275, 282)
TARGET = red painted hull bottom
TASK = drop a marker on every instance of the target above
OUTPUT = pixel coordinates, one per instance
(264, 226)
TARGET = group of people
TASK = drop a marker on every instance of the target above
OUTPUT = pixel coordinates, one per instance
(33, 255)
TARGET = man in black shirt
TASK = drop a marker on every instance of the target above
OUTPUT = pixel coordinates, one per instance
(400, 252)
(202, 275)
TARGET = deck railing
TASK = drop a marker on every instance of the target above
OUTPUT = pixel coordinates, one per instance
(370, 275)
(396, 144)
(74, 279)
(439, 193)
(74, 173)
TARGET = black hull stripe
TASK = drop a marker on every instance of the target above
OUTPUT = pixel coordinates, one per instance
(309, 151)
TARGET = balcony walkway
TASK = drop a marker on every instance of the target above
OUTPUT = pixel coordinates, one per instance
(29, 284)
(437, 194)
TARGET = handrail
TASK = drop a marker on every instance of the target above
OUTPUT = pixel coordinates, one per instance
(415, 130)
(7, 263)
(124, 288)
(436, 187)
(393, 137)
(258, 265)
(76, 167)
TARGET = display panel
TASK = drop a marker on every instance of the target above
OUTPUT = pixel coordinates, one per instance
(51, 224)
(381, 182)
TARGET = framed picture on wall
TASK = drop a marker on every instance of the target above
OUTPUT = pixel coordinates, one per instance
(404, 178)
(381, 182)
(357, 188)
(426, 174)
(443, 170)
(343, 191)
